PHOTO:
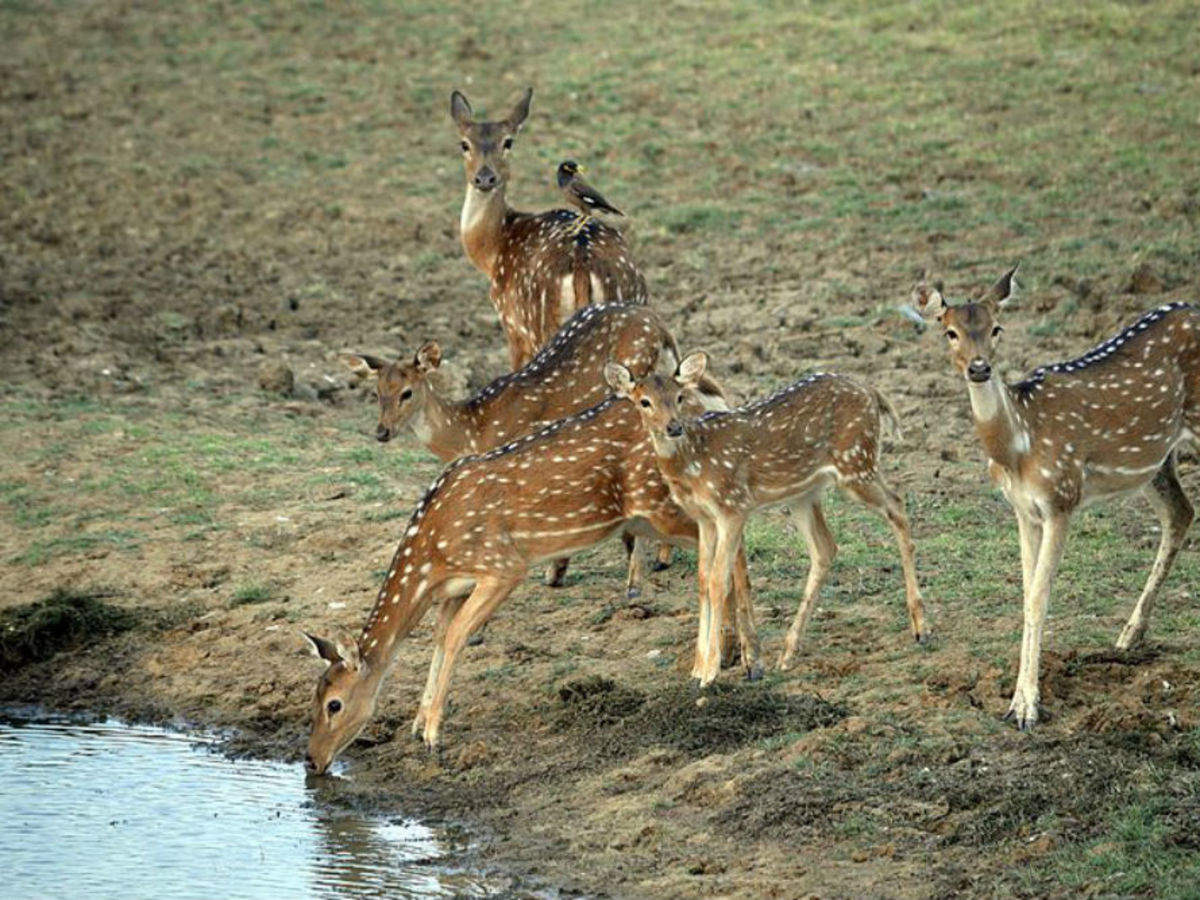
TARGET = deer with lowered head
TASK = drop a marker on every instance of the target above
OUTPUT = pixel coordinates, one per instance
(471, 541)
(542, 266)
(566, 376)
(1069, 434)
(819, 431)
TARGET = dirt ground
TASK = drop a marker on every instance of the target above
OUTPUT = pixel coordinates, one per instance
(196, 196)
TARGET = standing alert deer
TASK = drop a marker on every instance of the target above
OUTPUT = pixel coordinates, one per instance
(542, 266)
(566, 377)
(474, 536)
(1073, 433)
(792, 445)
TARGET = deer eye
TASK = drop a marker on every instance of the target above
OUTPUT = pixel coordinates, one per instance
(334, 706)
(406, 393)
(466, 148)
(996, 330)
(952, 334)
(507, 143)
(645, 403)
(679, 399)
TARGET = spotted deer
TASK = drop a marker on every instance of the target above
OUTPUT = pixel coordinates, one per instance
(790, 446)
(542, 266)
(471, 541)
(1070, 434)
(566, 376)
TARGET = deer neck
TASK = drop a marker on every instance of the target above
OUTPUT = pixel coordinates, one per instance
(400, 604)
(678, 457)
(482, 226)
(1001, 427)
(445, 427)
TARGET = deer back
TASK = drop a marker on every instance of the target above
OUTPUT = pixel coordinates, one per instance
(567, 375)
(824, 424)
(547, 268)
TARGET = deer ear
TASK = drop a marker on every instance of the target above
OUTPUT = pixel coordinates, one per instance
(1000, 293)
(324, 648)
(362, 364)
(429, 356)
(520, 112)
(928, 300)
(691, 368)
(618, 379)
(460, 109)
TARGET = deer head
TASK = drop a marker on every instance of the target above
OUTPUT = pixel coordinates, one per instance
(343, 704)
(485, 145)
(972, 329)
(663, 401)
(402, 387)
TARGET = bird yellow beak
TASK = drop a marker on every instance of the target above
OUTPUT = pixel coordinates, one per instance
(581, 169)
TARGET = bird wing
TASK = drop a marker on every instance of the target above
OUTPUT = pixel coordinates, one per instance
(591, 198)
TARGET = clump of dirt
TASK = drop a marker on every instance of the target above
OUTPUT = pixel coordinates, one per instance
(36, 631)
(621, 721)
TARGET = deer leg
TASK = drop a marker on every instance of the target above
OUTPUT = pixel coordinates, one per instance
(556, 571)
(446, 614)
(1175, 513)
(633, 581)
(822, 550)
(1029, 533)
(490, 591)
(663, 559)
(729, 538)
(743, 614)
(1024, 706)
(704, 551)
(882, 498)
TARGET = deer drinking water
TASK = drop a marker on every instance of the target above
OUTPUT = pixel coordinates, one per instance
(542, 266)
(791, 446)
(474, 536)
(566, 376)
(1073, 433)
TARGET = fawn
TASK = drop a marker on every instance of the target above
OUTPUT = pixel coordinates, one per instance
(474, 536)
(1076, 432)
(566, 376)
(542, 266)
(790, 446)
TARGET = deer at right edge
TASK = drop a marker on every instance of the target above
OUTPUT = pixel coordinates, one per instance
(1072, 433)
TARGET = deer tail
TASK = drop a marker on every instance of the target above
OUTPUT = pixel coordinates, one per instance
(888, 409)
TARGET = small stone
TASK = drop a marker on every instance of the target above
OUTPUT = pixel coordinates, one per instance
(1144, 281)
(276, 377)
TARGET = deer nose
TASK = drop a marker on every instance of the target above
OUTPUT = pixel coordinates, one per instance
(383, 434)
(309, 763)
(485, 179)
(674, 428)
(979, 370)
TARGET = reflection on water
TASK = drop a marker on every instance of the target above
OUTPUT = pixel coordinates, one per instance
(111, 810)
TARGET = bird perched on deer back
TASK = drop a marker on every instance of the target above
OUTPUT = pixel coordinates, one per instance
(581, 194)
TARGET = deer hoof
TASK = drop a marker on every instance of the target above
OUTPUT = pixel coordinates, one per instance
(658, 566)
(1023, 712)
(1130, 637)
(923, 637)
(633, 592)
(755, 672)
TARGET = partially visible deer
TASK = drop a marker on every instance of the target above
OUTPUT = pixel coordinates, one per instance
(471, 541)
(1076, 432)
(542, 266)
(567, 376)
(790, 446)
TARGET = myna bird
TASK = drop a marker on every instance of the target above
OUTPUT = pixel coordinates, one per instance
(581, 194)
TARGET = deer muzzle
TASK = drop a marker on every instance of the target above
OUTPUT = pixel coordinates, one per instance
(383, 434)
(485, 179)
(674, 429)
(979, 370)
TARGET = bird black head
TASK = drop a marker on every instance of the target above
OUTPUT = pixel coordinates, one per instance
(567, 169)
